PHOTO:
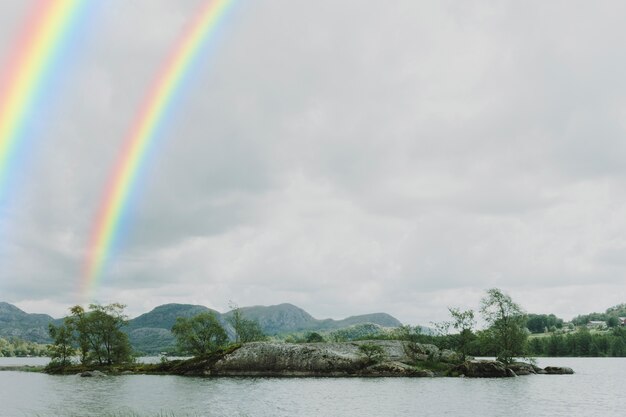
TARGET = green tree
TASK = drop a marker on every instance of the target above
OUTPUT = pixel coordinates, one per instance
(373, 353)
(314, 337)
(463, 323)
(507, 324)
(245, 330)
(97, 333)
(77, 321)
(109, 345)
(199, 335)
(61, 350)
(612, 322)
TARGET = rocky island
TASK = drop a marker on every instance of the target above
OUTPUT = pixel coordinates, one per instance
(373, 358)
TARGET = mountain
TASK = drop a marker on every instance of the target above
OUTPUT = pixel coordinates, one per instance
(150, 332)
(286, 318)
(382, 319)
(17, 323)
(281, 318)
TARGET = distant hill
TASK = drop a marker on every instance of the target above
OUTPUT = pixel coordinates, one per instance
(279, 318)
(150, 332)
(286, 318)
(17, 323)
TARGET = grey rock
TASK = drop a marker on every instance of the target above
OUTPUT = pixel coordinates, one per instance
(421, 351)
(481, 369)
(313, 359)
(449, 356)
(558, 370)
(522, 368)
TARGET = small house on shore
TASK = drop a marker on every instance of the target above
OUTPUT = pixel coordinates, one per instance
(596, 325)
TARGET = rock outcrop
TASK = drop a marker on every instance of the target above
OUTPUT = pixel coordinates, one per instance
(558, 370)
(497, 369)
(397, 358)
(481, 369)
(373, 358)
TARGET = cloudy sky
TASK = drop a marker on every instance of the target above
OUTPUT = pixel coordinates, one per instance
(345, 156)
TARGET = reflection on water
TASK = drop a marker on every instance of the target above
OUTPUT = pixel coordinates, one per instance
(595, 389)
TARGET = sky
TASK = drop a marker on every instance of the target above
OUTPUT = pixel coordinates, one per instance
(348, 157)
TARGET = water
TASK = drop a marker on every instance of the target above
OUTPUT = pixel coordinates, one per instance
(595, 390)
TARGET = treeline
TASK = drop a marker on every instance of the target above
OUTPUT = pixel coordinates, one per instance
(95, 336)
(610, 316)
(580, 343)
(17, 347)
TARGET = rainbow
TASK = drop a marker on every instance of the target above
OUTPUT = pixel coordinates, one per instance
(149, 121)
(27, 73)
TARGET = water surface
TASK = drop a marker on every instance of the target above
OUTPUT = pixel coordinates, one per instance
(595, 390)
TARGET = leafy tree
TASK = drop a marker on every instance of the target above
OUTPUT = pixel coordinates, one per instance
(108, 344)
(462, 322)
(507, 324)
(612, 322)
(97, 333)
(373, 353)
(199, 335)
(539, 323)
(78, 322)
(245, 330)
(314, 337)
(61, 350)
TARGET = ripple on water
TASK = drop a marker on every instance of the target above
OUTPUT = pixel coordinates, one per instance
(595, 389)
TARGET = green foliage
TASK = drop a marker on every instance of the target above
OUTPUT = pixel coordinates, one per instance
(356, 332)
(61, 350)
(507, 332)
(615, 311)
(199, 335)
(373, 353)
(580, 343)
(100, 331)
(18, 347)
(540, 323)
(97, 333)
(245, 330)
(314, 337)
(463, 323)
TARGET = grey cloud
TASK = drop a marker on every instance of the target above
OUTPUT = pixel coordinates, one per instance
(347, 157)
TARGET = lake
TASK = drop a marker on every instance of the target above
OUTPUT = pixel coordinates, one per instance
(597, 389)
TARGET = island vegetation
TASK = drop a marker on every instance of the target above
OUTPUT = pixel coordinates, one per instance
(96, 337)
(13, 346)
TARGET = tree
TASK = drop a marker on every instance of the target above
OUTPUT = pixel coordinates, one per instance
(612, 322)
(506, 320)
(462, 322)
(199, 335)
(108, 344)
(61, 350)
(314, 337)
(245, 330)
(78, 323)
(373, 353)
(97, 333)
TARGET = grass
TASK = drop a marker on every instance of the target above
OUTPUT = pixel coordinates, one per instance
(439, 368)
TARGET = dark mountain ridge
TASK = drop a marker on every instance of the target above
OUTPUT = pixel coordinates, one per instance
(150, 332)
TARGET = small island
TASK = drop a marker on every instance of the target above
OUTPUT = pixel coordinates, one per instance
(104, 348)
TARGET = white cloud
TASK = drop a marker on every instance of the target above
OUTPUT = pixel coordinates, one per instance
(345, 157)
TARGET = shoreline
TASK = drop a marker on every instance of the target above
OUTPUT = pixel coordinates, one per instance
(333, 360)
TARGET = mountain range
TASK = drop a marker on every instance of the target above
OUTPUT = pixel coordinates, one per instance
(150, 332)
